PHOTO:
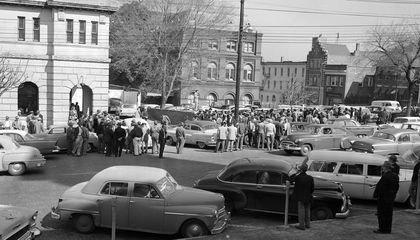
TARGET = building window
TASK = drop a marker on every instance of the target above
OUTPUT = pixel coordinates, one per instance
(82, 32)
(95, 33)
(196, 43)
(212, 71)
(69, 30)
(370, 82)
(275, 83)
(247, 99)
(230, 72)
(212, 99)
(261, 98)
(274, 98)
(213, 44)
(248, 73)
(281, 72)
(288, 72)
(249, 47)
(231, 46)
(268, 84)
(341, 83)
(21, 28)
(263, 70)
(36, 29)
(281, 85)
(195, 70)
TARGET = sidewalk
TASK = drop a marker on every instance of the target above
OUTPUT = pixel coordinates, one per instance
(406, 225)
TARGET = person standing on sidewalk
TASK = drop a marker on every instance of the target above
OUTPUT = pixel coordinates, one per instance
(240, 136)
(385, 191)
(304, 188)
(261, 133)
(78, 140)
(180, 138)
(221, 137)
(231, 136)
(162, 139)
(108, 139)
(120, 134)
(270, 131)
(85, 137)
(154, 133)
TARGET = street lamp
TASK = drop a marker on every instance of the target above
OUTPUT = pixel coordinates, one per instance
(239, 62)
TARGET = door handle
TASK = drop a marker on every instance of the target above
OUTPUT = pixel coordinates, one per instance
(259, 186)
(131, 202)
(99, 200)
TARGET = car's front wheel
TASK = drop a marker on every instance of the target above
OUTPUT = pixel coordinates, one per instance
(16, 169)
(193, 228)
(170, 141)
(201, 145)
(305, 150)
(321, 213)
(83, 223)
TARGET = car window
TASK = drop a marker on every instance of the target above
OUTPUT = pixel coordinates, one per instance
(415, 137)
(383, 135)
(57, 130)
(353, 169)
(144, 191)
(15, 137)
(322, 166)
(351, 124)
(404, 138)
(272, 178)
(245, 177)
(374, 170)
(195, 128)
(327, 131)
(187, 127)
(115, 188)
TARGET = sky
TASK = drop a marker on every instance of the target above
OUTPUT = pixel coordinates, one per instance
(289, 25)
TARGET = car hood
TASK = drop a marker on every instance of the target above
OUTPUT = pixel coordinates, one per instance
(12, 217)
(74, 191)
(372, 141)
(191, 196)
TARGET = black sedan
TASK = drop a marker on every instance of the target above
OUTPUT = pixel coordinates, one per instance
(260, 185)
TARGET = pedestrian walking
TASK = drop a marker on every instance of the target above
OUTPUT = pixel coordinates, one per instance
(303, 190)
(385, 191)
(70, 137)
(162, 139)
(154, 133)
(221, 137)
(231, 136)
(251, 132)
(144, 138)
(78, 140)
(180, 138)
(270, 131)
(85, 138)
(120, 135)
(100, 133)
(136, 135)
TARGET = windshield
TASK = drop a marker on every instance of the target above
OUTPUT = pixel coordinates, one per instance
(167, 185)
(400, 120)
(383, 135)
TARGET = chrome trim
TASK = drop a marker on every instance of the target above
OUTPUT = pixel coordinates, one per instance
(189, 214)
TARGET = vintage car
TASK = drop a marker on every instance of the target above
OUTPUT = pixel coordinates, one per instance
(44, 144)
(200, 133)
(411, 125)
(260, 185)
(358, 172)
(128, 110)
(146, 199)
(391, 141)
(353, 126)
(318, 136)
(18, 223)
(16, 159)
(399, 121)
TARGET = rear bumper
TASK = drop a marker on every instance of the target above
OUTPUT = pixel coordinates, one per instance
(36, 163)
(345, 209)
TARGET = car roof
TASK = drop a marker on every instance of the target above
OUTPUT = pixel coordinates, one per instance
(346, 156)
(126, 174)
(20, 132)
(261, 163)
(394, 131)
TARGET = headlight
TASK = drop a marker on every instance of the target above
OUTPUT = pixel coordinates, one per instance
(297, 141)
(373, 148)
(216, 213)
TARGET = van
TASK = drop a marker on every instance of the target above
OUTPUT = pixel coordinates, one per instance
(389, 105)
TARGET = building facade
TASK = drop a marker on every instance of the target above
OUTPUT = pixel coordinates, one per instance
(62, 48)
(209, 75)
(282, 84)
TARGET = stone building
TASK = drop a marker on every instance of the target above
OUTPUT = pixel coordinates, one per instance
(62, 46)
(282, 80)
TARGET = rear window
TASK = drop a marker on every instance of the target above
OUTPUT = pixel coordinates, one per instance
(352, 169)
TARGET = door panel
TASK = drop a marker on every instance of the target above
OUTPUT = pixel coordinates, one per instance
(352, 178)
(111, 192)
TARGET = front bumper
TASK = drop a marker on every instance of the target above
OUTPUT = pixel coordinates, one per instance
(35, 163)
(221, 223)
(345, 209)
(290, 146)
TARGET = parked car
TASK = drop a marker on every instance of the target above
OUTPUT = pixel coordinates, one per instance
(18, 223)
(398, 122)
(44, 144)
(16, 159)
(200, 133)
(358, 172)
(260, 185)
(411, 125)
(352, 126)
(390, 141)
(128, 110)
(147, 199)
(318, 136)
(389, 105)
(59, 132)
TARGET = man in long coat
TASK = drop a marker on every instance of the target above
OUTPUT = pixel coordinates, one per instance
(303, 190)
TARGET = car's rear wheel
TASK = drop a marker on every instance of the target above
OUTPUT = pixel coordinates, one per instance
(201, 145)
(288, 151)
(321, 213)
(90, 147)
(16, 169)
(305, 150)
(193, 228)
(83, 223)
(170, 141)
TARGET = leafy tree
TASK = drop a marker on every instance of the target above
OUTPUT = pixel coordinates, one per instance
(11, 76)
(398, 47)
(151, 40)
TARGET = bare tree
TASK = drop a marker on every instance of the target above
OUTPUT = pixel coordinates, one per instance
(165, 33)
(296, 94)
(11, 76)
(398, 47)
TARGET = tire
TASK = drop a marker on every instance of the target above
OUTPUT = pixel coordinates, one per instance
(201, 145)
(193, 228)
(288, 151)
(16, 169)
(83, 223)
(305, 150)
(411, 203)
(321, 213)
(90, 147)
(170, 141)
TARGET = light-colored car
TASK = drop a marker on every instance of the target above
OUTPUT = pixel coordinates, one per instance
(411, 125)
(18, 223)
(390, 141)
(352, 126)
(358, 172)
(200, 133)
(45, 144)
(128, 110)
(399, 121)
(146, 199)
(16, 159)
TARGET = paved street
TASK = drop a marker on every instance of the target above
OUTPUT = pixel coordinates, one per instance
(41, 189)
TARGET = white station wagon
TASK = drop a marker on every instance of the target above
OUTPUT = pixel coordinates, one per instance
(357, 172)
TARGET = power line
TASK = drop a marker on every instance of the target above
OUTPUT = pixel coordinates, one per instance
(387, 1)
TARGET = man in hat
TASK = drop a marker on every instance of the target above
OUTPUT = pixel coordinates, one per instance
(385, 191)
(303, 190)
(395, 167)
(120, 140)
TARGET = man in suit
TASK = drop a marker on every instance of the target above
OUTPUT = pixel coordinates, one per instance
(162, 138)
(108, 139)
(385, 191)
(180, 138)
(120, 134)
(303, 190)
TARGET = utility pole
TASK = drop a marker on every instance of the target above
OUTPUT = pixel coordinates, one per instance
(239, 62)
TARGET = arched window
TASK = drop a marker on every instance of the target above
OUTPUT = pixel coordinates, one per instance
(212, 71)
(212, 99)
(230, 72)
(274, 98)
(229, 99)
(248, 73)
(195, 70)
(247, 99)
(28, 96)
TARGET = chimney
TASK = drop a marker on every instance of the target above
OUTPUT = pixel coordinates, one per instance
(281, 59)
